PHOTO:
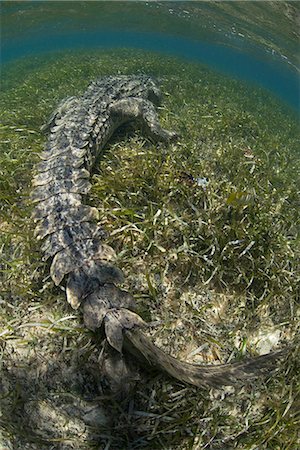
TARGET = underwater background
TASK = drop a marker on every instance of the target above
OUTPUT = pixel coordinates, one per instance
(206, 230)
(255, 41)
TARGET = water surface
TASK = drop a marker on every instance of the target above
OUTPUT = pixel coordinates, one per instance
(251, 41)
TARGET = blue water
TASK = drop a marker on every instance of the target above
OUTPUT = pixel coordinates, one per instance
(274, 74)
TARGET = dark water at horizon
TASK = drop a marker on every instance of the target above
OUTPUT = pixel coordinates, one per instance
(214, 38)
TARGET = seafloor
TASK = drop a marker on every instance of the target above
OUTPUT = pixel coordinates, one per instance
(214, 268)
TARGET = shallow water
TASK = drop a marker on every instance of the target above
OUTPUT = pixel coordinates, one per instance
(251, 41)
(206, 230)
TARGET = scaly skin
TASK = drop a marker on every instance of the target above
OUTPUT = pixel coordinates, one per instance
(78, 131)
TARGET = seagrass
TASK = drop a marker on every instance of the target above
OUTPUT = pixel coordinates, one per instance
(78, 131)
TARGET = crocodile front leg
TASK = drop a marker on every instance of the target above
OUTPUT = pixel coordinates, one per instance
(143, 112)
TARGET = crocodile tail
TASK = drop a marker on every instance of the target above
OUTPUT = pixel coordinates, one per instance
(112, 308)
(137, 343)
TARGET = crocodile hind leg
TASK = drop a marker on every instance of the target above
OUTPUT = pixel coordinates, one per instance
(143, 112)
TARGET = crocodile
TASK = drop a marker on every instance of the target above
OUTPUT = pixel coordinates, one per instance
(74, 242)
